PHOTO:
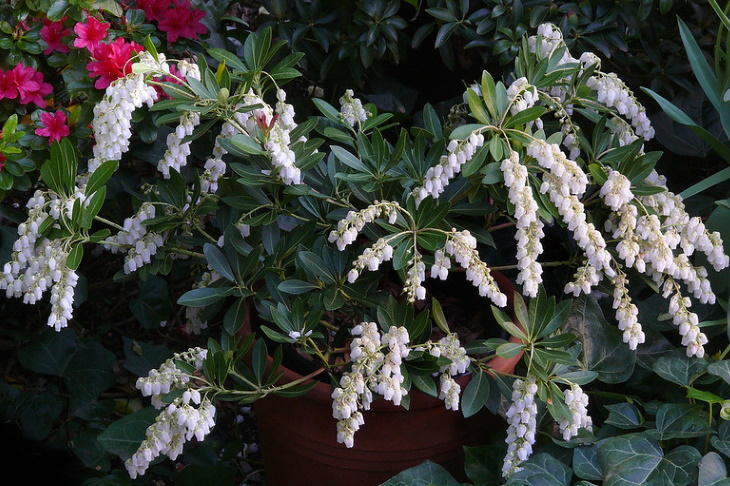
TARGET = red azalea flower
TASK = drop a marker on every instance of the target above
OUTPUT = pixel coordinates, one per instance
(30, 85)
(182, 21)
(52, 33)
(2, 162)
(7, 85)
(154, 9)
(112, 61)
(90, 33)
(54, 126)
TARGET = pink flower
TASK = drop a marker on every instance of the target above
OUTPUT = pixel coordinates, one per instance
(30, 85)
(112, 61)
(7, 85)
(54, 126)
(182, 21)
(2, 161)
(52, 33)
(154, 9)
(90, 33)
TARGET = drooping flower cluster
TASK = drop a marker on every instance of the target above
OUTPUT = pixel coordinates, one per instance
(138, 243)
(614, 93)
(371, 259)
(522, 420)
(577, 403)
(351, 109)
(461, 245)
(376, 367)
(177, 152)
(188, 416)
(529, 226)
(38, 264)
(521, 95)
(113, 116)
(439, 176)
(450, 347)
(349, 228)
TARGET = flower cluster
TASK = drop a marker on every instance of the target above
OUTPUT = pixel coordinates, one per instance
(54, 126)
(139, 243)
(348, 228)
(177, 151)
(522, 420)
(577, 402)
(529, 226)
(461, 245)
(112, 122)
(24, 84)
(351, 109)
(450, 347)
(439, 176)
(188, 416)
(376, 367)
(176, 19)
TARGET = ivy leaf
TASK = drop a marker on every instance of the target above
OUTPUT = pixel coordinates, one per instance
(678, 468)
(586, 464)
(712, 471)
(425, 474)
(624, 416)
(541, 470)
(124, 436)
(678, 368)
(681, 420)
(629, 459)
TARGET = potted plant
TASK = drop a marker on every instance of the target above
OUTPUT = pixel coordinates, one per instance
(342, 239)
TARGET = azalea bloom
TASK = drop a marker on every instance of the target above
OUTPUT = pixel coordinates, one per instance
(7, 85)
(154, 9)
(182, 21)
(29, 84)
(54, 126)
(90, 33)
(52, 33)
(2, 161)
(112, 61)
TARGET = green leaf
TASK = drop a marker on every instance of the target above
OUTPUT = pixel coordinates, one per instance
(542, 470)
(681, 421)
(475, 394)
(218, 261)
(349, 160)
(124, 436)
(296, 287)
(624, 416)
(75, 256)
(201, 297)
(525, 116)
(678, 468)
(50, 353)
(712, 471)
(629, 459)
(258, 359)
(704, 74)
(235, 317)
(586, 464)
(678, 368)
(425, 474)
(603, 348)
(721, 369)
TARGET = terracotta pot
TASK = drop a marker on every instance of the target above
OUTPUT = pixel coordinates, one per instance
(298, 435)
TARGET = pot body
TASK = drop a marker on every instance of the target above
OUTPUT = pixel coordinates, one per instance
(298, 438)
(299, 435)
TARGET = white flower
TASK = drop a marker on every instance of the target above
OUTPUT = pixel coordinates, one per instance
(577, 403)
(351, 109)
(522, 420)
